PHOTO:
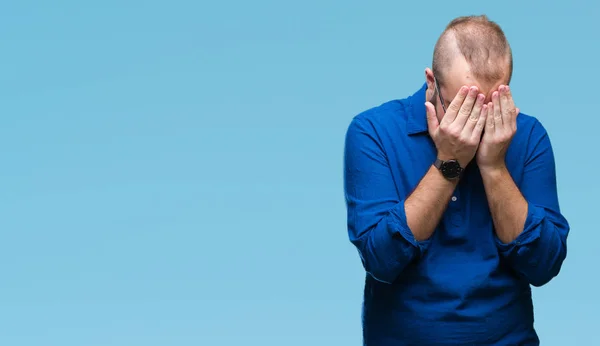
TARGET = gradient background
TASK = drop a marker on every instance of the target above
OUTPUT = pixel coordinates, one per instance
(171, 172)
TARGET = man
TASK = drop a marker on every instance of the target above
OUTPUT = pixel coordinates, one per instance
(452, 202)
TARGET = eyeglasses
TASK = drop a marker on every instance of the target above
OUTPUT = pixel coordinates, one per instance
(437, 88)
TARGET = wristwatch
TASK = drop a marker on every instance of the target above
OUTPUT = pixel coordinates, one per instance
(450, 169)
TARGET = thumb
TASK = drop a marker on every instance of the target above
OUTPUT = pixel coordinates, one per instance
(432, 120)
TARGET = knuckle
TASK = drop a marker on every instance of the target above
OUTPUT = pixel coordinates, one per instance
(443, 127)
(454, 132)
(464, 112)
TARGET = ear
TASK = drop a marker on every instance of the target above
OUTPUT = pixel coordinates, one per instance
(430, 83)
(429, 77)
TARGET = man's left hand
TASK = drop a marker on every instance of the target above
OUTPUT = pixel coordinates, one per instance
(500, 128)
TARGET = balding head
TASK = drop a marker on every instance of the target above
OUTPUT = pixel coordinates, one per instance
(480, 42)
(471, 51)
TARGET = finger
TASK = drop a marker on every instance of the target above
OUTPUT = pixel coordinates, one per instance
(466, 108)
(481, 123)
(509, 111)
(474, 116)
(455, 105)
(490, 121)
(432, 120)
(497, 111)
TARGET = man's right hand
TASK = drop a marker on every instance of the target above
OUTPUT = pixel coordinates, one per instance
(458, 135)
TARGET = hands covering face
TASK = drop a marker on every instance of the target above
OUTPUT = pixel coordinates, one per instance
(500, 128)
(471, 127)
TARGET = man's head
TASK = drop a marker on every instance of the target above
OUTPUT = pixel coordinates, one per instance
(472, 50)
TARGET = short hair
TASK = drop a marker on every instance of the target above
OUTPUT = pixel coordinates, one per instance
(480, 41)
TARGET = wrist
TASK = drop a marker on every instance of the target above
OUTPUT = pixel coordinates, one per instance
(449, 157)
(493, 170)
(450, 169)
(442, 180)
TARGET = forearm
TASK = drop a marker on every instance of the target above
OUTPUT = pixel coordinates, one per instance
(426, 205)
(507, 205)
(531, 232)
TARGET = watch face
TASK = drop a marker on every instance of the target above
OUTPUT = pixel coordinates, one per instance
(451, 169)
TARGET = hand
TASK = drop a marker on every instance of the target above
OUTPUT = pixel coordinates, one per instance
(458, 134)
(500, 129)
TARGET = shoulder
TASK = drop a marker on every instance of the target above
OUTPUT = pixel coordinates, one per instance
(531, 140)
(390, 121)
(384, 113)
(528, 123)
(530, 129)
(379, 119)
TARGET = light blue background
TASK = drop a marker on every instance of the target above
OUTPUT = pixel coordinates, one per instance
(171, 172)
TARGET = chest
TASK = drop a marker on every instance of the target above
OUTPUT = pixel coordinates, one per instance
(467, 214)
